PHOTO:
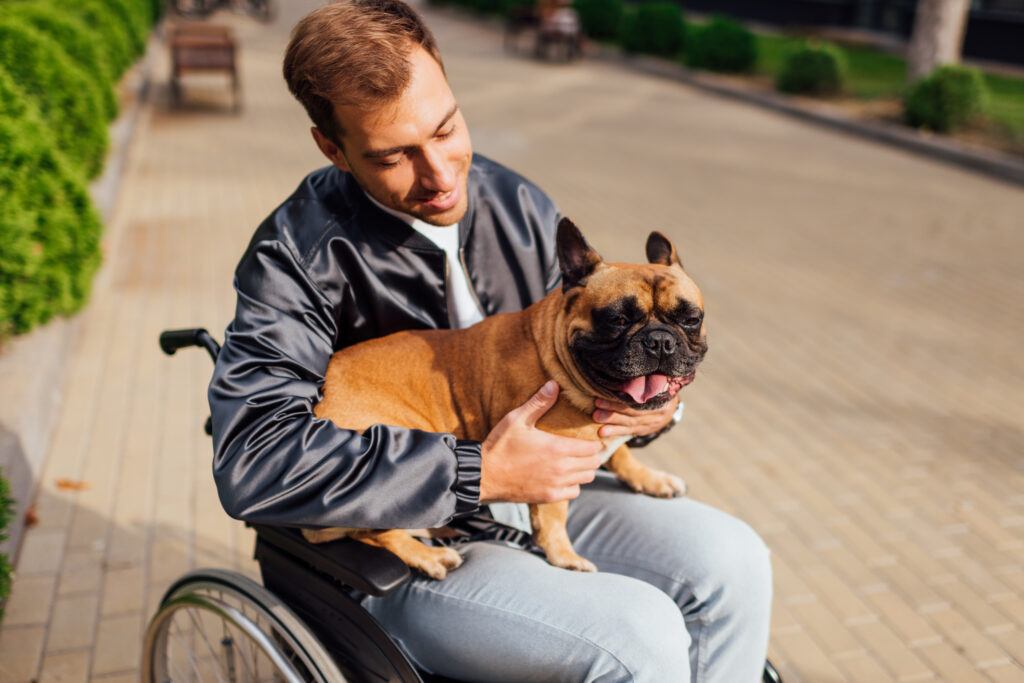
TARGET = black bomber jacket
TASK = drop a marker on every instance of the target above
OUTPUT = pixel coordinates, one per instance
(328, 269)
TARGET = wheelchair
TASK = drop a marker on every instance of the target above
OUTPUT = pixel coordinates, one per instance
(303, 625)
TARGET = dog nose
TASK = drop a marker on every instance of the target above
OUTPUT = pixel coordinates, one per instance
(660, 343)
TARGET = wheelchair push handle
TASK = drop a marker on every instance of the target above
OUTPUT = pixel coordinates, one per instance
(172, 340)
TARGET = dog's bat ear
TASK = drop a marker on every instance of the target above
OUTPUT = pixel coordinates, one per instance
(660, 250)
(577, 258)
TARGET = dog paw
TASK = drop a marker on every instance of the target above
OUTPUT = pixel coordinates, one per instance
(572, 561)
(661, 485)
(437, 562)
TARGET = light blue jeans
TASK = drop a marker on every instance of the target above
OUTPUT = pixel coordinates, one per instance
(683, 594)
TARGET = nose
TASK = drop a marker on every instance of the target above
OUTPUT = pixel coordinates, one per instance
(660, 343)
(436, 174)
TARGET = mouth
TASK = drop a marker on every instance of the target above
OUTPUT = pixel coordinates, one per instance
(646, 388)
(644, 391)
(443, 201)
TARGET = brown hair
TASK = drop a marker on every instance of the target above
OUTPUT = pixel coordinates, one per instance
(353, 52)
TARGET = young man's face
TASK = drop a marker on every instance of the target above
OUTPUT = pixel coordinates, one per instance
(411, 154)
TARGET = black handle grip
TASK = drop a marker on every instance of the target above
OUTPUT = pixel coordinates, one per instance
(172, 340)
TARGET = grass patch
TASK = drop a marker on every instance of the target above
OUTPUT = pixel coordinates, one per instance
(876, 75)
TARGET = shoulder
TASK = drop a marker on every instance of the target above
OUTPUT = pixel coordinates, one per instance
(498, 183)
(322, 204)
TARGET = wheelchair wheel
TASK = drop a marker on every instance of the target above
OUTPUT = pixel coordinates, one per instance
(216, 625)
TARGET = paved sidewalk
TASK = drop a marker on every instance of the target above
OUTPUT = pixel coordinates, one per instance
(860, 405)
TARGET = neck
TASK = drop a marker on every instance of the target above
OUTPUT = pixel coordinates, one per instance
(546, 327)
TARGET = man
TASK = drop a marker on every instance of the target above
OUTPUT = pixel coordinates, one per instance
(408, 229)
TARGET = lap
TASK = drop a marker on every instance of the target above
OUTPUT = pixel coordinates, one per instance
(684, 547)
(507, 615)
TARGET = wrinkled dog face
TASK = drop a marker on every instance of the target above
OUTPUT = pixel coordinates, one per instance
(635, 332)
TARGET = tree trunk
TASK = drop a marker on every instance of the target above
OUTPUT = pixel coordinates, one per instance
(938, 36)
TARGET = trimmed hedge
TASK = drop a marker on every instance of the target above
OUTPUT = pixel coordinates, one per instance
(77, 40)
(947, 99)
(601, 19)
(111, 33)
(6, 513)
(48, 227)
(655, 28)
(721, 45)
(813, 69)
(69, 101)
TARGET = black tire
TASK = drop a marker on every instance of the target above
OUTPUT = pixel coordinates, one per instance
(244, 619)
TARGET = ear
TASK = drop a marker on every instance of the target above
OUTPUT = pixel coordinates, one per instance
(577, 258)
(660, 250)
(330, 149)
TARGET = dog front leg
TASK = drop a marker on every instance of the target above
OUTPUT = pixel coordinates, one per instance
(549, 533)
(642, 478)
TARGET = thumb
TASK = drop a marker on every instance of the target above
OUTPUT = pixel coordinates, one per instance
(539, 403)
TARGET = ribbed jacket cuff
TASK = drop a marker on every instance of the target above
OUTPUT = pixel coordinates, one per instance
(467, 479)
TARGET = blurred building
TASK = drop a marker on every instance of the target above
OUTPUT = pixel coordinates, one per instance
(995, 30)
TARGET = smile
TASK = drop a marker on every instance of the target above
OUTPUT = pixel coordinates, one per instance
(443, 202)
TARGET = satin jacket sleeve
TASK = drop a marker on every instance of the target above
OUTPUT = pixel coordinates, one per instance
(274, 462)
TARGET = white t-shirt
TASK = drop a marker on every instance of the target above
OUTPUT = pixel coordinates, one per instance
(463, 311)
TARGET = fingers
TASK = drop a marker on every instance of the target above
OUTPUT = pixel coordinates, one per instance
(538, 404)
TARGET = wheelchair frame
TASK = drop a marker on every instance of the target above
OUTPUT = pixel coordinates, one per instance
(309, 598)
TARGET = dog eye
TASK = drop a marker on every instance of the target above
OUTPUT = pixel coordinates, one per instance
(620, 321)
(692, 321)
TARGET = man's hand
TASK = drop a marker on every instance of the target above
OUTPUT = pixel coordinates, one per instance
(522, 464)
(620, 420)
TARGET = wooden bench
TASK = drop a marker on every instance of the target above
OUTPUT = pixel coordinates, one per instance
(203, 48)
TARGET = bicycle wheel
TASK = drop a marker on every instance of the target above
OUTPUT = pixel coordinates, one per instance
(216, 625)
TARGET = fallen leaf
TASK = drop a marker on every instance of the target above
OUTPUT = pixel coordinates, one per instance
(72, 484)
(31, 519)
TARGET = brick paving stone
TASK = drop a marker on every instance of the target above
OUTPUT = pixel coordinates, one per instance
(115, 635)
(66, 667)
(30, 601)
(73, 624)
(20, 650)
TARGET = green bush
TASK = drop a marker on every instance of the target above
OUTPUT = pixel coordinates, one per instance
(68, 99)
(6, 513)
(78, 41)
(111, 32)
(812, 69)
(947, 99)
(134, 16)
(656, 28)
(48, 228)
(721, 45)
(601, 19)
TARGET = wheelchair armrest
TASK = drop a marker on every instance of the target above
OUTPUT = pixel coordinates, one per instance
(368, 569)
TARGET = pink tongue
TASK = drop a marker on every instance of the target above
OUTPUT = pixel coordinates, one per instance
(644, 388)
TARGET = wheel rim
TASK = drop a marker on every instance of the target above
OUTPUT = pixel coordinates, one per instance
(209, 633)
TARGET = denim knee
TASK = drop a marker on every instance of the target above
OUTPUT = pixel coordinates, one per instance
(647, 642)
(736, 577)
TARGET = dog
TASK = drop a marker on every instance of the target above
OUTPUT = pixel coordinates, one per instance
(632, 333)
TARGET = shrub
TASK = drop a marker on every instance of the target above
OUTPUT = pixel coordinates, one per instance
(78, 41)
(6, 513)
(721, 45)
(68, 100)
(48, 228)
(112, 34)
(601, 19)
(813, 69)
(654, 27)
(134, 16)
(946, 99)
